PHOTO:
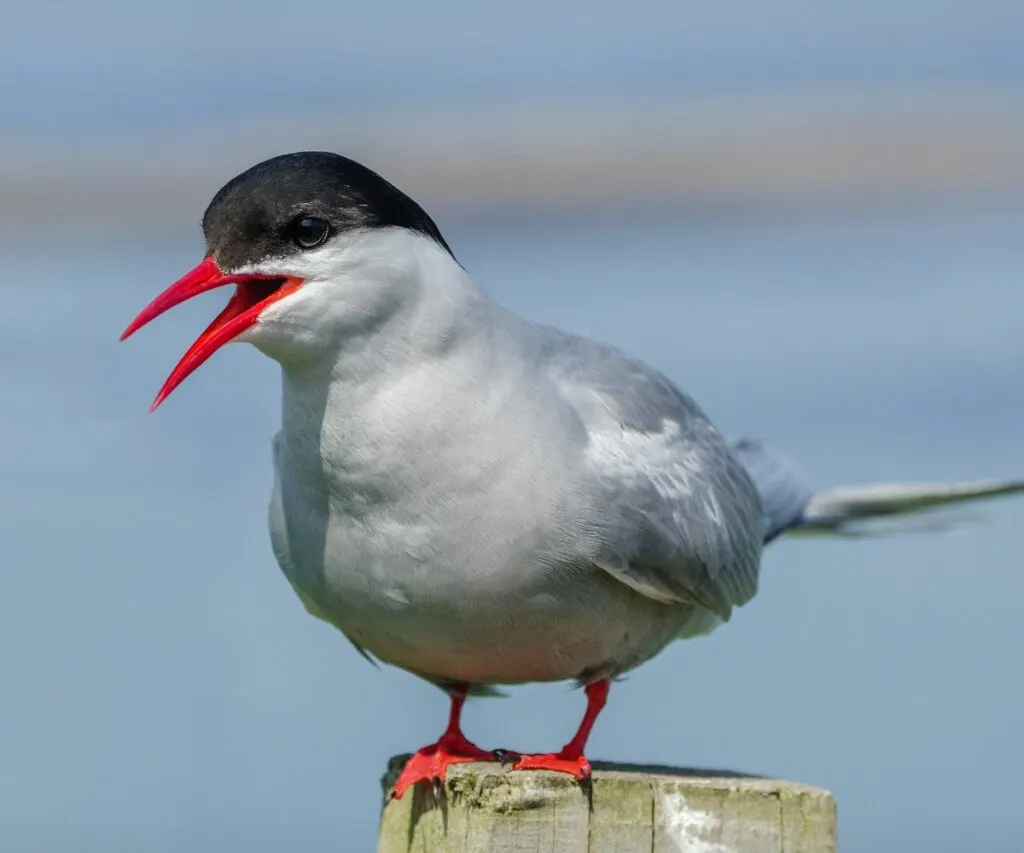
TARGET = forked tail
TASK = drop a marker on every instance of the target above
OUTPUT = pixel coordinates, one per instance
(791, 506)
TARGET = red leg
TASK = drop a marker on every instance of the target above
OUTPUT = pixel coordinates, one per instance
(571, 759)
(431, 762)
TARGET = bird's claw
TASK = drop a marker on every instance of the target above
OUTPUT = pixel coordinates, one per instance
(506, 757)
(578, 766)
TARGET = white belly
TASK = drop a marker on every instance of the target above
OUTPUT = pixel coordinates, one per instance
(472, 616)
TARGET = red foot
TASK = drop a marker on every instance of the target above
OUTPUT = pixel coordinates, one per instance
(571, 759)
(431, 763)
(556, 762)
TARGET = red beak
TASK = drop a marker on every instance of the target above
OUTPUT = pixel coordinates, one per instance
(252, 294)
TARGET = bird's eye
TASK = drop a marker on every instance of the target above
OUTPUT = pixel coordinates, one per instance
(308, 232)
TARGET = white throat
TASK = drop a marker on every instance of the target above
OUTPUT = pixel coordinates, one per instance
(369, 298)
(395, 338)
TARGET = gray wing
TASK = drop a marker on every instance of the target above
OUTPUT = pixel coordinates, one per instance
(784, 492)
(679, 514)
(675, 515)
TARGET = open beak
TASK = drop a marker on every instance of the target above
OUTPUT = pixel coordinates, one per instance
(252, 294)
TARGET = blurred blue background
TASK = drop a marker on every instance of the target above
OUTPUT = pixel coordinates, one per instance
(849, 289)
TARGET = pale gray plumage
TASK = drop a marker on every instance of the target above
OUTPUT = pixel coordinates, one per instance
(475, 498)
(479, 499)
(552, 508)
(784, 492)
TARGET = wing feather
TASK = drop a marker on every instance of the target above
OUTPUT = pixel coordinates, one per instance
(677, 517)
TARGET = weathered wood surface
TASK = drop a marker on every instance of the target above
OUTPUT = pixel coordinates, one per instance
(623, 808)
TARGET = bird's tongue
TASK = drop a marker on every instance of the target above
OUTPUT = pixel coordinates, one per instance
(252, 294)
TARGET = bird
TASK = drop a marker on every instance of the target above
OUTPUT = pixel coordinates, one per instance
(470, 496)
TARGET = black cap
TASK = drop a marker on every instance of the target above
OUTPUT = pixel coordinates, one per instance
(275, 208)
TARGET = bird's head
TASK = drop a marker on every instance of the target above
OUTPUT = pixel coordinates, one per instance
(312, 243)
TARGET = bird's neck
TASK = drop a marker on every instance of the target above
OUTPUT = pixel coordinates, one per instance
(441, 315)
(376, 396)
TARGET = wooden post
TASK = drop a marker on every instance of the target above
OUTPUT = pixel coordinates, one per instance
(623, 808)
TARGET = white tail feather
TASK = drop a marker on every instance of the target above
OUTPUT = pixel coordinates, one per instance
(846, 511)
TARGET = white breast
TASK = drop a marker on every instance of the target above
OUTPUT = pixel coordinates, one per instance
(424, 502)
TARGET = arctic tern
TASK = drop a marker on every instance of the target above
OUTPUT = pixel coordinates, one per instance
(470, 496)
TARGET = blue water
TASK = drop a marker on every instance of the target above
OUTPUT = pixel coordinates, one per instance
(164, 690)
(107, 68)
